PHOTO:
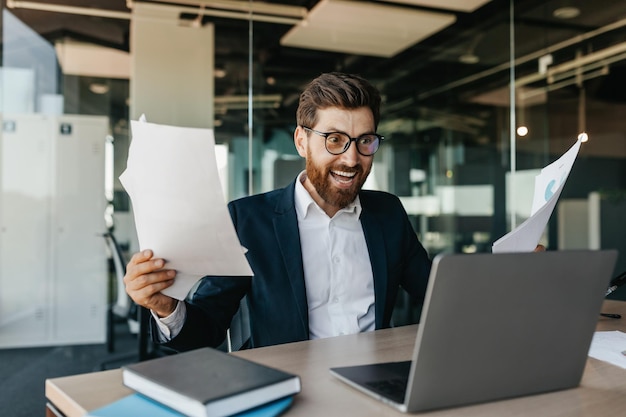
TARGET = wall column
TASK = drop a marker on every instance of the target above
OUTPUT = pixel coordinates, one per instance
(172, 66)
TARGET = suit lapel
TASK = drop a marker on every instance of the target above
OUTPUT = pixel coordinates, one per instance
(288, 236)
(375, 246)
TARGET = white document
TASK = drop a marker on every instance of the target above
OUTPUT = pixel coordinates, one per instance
(178, 203)
(548, 186)
(551, 179)
(609, 347)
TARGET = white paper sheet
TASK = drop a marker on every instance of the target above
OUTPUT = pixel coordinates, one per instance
(178, 203)
(552, 178)
(548, 186)
(609, 347)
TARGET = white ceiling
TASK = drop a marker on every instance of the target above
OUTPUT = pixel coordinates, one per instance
(458, 5)
(87, 59)
(364, 28)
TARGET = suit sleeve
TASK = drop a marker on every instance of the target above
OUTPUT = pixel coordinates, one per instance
(209, 313)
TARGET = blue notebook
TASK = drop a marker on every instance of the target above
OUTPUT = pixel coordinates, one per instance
(137, 405)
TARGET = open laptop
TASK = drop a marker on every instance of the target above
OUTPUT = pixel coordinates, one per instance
(495, 326)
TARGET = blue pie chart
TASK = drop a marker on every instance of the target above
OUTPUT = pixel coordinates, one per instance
(549, 192)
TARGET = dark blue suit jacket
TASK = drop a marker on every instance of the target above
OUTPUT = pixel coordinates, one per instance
(268, 227)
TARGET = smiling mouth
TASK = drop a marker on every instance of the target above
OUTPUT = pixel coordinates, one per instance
(343, 177)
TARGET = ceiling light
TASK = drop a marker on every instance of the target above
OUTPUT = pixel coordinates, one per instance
(469, 58)
(261, 101)
(219, 72)
(566, 12)
(522, 131)
(98, 88)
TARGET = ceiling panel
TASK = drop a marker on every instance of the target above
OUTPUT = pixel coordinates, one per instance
(88, 59)
(457, 5)
(371, 29)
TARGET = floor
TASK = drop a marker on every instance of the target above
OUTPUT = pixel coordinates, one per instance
(23, 371)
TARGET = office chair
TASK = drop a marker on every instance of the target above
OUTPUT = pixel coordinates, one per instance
(121, 308)
(238, 335)
(124, 308)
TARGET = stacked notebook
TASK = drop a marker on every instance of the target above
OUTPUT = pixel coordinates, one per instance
(206, 383)
(137, 405)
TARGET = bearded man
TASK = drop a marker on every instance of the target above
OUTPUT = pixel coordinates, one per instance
(328, 257)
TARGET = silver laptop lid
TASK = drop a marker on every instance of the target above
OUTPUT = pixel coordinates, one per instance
(496, 326)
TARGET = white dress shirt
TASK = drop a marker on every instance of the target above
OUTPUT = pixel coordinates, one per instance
(337, 271)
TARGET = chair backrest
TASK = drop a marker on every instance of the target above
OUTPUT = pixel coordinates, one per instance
(238, 335)
(122, 305)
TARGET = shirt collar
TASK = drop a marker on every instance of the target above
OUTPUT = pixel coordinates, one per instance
(304, 201)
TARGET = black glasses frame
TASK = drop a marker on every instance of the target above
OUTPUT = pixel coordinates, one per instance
(325, 135)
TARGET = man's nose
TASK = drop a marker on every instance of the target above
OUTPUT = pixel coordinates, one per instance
(351, 156)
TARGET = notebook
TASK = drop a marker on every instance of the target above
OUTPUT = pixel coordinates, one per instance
(495, 326)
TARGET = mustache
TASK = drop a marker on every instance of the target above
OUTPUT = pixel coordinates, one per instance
(358, 169)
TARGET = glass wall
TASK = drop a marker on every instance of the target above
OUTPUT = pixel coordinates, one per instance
(452, 152)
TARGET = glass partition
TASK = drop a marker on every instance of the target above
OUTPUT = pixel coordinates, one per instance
(453, 152)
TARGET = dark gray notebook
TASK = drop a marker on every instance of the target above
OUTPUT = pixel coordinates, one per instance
(495, 326)
(208, 382)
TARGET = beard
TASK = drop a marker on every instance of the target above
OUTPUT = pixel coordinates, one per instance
(337, 197)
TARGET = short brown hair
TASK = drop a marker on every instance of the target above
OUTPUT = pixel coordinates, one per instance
(335, 89)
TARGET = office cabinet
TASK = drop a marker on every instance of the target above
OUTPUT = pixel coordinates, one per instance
(53, 267)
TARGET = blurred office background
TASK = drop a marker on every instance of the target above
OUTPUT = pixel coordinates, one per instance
(459, 79)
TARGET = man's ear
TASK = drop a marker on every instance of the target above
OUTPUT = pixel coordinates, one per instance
(300, 140)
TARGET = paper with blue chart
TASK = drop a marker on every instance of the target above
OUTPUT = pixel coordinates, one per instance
(178, 204)
(548, 186)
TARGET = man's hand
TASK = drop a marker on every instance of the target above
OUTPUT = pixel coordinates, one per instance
(540, 248)
(144, 281)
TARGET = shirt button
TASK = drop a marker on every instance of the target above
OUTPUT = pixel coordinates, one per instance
(336, 259)
(335, 300)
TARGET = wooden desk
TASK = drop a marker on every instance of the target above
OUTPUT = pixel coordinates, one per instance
(602, 390)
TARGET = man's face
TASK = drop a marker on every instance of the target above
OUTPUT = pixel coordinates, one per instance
(335, 180)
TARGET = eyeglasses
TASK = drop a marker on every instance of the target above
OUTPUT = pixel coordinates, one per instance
(338, 142)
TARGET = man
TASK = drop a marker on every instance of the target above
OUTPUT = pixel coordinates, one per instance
(328, 257)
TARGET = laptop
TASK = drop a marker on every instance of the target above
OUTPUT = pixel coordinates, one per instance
(495, 326)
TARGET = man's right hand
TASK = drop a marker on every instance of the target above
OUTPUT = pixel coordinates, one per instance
(144, 281)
